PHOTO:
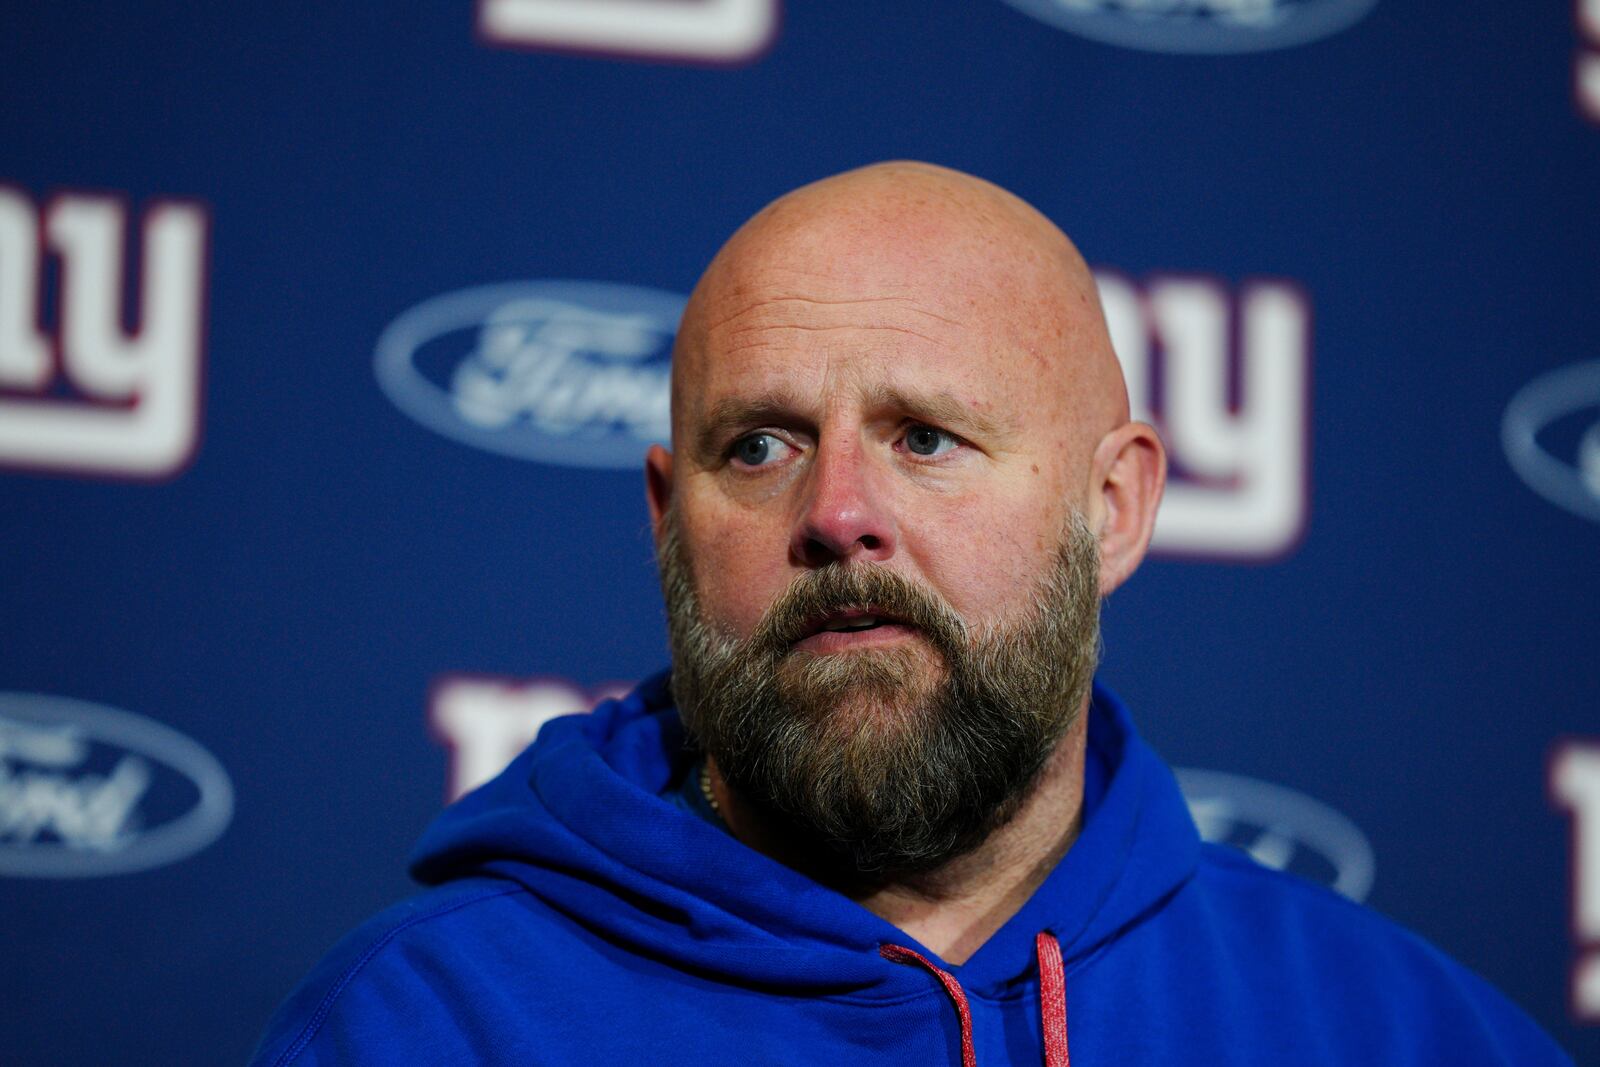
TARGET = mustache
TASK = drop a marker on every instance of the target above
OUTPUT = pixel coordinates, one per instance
(839, 587)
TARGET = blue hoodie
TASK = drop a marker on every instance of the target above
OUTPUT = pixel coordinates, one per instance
(579, 915)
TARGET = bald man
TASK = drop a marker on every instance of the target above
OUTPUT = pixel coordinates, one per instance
(879, 811)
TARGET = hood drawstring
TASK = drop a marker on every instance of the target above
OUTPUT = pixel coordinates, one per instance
(1052, 998)
(901, 954)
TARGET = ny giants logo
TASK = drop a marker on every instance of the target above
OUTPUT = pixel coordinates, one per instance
(576, 374)
(101, 395)
(484, 721)
(1575, 788)
(1225, 377)
(720, 32)
(1586, 62)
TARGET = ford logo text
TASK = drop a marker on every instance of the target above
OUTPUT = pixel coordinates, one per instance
(569, 373)
(1205, 26)
(87, 790)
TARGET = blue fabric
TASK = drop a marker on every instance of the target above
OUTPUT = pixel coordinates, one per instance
(581, 916)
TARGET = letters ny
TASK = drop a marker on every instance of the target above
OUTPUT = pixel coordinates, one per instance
(110, 391)
(1575, 786)
(1223, 376)
(705, 31)
(1586, 69)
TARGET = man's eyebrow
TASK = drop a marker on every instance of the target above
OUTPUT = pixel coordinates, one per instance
(739, 413)
(780, 408)
(942, 408)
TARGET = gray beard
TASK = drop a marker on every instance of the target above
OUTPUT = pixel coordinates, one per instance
(890, 761)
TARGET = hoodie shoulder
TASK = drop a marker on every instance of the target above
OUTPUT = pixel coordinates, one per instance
(370, 995)
(1310, 945)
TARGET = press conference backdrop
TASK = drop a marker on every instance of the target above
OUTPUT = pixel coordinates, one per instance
(332, 336)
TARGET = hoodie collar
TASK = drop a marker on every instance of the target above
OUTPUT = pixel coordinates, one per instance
(579, 820)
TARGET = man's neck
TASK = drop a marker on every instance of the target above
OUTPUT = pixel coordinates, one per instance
(955, 908)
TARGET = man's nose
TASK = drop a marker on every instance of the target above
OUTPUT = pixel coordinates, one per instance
(842, 518)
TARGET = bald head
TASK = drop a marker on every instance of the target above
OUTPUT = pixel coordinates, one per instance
(941, 239)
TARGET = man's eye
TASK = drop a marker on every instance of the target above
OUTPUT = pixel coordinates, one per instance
(757, 449)
(926, 441)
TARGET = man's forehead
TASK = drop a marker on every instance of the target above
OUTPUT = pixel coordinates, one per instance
(796, 301)
(938, 313)
(778, 358)
(939, 264)
(807, 393)
(783, 397)
(895, 278)
(862, 351)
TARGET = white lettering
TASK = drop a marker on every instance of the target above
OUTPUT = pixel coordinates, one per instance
(24, 350)
(51, 746)
(1587, 74)
(1575, 785)
(140, 409)
(486, 722)
(90, 811)
(717, 31)
(1239, 480)
(567, 369)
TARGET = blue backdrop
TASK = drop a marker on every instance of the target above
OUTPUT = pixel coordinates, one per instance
(332, 335)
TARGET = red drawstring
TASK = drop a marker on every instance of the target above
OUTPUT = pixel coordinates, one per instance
(1052, 998)
(901, 954)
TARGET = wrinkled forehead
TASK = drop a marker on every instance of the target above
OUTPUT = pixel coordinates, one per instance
(850, 308)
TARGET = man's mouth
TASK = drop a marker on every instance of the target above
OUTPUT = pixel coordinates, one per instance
(853, 623)
(852, 628)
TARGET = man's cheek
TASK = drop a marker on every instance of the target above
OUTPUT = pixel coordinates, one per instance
(976, 570)
(737, 597)
(737, 567)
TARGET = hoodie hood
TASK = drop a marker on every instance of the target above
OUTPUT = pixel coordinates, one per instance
(580, 820)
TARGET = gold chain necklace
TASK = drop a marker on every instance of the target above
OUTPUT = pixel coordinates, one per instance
(705, 787)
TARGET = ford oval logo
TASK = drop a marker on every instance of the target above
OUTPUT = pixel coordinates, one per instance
(1551, 434)
(1281, 829)
(1214, 26)
(87, 790)
(563, 372)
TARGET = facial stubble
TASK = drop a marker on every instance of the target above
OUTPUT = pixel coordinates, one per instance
(897, 759)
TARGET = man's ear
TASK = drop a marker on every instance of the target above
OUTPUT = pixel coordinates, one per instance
(657, 484)
(1128, 473)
